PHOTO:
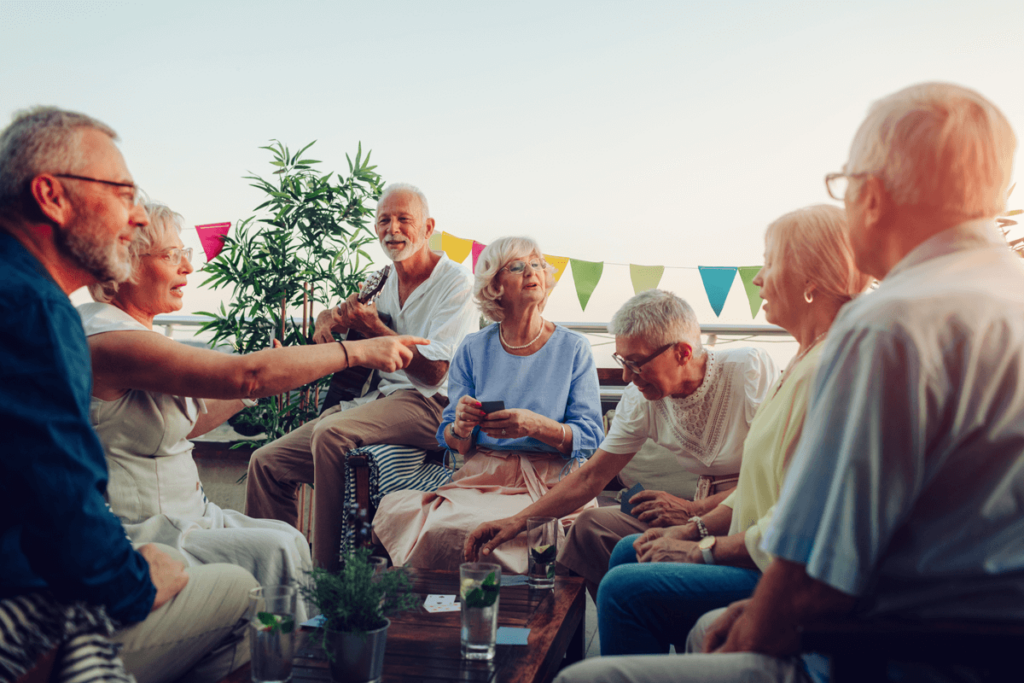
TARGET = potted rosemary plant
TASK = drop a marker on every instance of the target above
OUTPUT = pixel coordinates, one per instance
(356, 605)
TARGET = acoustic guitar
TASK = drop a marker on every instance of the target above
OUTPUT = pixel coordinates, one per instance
(351, 383)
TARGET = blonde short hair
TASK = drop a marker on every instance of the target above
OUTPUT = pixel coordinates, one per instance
(493, 258)
(939, 146)
(815, 243)
(161, 219)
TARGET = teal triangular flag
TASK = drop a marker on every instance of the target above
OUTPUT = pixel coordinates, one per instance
(717, 283)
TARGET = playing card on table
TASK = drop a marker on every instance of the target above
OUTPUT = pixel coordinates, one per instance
(441, 603)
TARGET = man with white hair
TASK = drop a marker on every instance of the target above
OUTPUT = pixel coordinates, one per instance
(694, 401)
(429, 296)
(903, 497)
(68, 574)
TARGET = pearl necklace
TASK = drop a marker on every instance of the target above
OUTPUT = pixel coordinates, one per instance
(516, 348)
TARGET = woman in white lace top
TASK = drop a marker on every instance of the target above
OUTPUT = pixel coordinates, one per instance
(694, 401)
(151, 394)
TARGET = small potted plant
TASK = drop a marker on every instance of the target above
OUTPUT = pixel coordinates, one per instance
(355, 605)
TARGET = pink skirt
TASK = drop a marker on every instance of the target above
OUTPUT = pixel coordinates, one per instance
(429, 530)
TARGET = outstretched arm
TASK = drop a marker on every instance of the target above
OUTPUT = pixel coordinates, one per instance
(572, 492)
(136, 360)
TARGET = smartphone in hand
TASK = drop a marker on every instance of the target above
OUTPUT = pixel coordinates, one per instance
(492, 406)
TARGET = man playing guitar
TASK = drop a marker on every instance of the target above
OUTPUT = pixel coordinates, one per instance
(428, 295)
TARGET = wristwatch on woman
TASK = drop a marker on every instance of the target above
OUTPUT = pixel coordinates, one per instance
(706, 544)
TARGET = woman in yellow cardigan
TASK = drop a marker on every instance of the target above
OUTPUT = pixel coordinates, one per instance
(660, 582)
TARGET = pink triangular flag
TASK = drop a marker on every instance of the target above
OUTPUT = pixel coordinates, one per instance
(211, 236)
(477, 248)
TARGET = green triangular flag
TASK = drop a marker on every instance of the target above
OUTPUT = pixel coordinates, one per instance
(586, 274)
(747, 274)
(645, 277)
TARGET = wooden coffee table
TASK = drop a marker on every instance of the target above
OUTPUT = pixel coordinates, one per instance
(425, 647)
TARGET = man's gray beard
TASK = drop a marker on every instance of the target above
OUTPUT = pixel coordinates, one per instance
(99, 259)
(410, 249)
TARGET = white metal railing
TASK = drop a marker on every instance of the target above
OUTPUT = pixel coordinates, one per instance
(712, 330)
(608, 393)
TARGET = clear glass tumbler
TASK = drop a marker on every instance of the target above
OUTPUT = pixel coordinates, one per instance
(272, 632)
(542, 545)
(479, 588)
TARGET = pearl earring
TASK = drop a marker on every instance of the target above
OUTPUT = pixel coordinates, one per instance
(809, 296)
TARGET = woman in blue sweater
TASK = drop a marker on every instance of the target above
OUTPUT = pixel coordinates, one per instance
(546, 377)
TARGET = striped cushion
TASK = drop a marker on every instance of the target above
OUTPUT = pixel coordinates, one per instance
(32, 624)
(392, 468)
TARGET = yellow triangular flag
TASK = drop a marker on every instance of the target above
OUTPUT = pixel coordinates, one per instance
(645, 277)
(559, 262)
(435, 242)
(456, 247)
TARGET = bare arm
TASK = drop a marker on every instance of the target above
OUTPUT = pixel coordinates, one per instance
(351, 314)
(217, 411)
(572, 492)
(152, 362)
(167, 574)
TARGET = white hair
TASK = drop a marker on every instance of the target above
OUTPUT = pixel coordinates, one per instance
(492, 259)
(938, 146)
(392, 188)
(161, 221)
(39, 140)
(815, 242)
(658, 318)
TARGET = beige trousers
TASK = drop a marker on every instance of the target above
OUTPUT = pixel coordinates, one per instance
(692, 667)
(593, 536)
(314, 454)
(199, 635)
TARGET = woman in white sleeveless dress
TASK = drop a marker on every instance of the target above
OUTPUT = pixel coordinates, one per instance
(148, 399)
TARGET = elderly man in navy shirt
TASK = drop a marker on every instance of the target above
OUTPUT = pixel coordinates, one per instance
(69, 577)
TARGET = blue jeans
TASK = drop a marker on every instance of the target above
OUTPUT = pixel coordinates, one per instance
(642, 608)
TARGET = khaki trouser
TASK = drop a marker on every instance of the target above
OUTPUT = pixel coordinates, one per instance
(593, 536)
(690, 668)
(314, 454)
(199, 635)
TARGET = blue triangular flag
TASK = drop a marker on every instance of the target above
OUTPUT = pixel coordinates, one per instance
(717, 283)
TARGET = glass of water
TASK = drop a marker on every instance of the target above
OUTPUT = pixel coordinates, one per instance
(542, 545)
(272, 632)
(479, 588)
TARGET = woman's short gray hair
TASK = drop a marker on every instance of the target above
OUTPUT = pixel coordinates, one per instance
(495, 255)
(940, 146)
(39, 140)
(658, 317)
(815, 243)
(392, 188)
(161, 219)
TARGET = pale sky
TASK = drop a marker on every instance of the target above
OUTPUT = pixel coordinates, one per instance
(655, 133)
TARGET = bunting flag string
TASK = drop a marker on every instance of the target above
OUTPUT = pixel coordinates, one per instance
(586, 275)
(477, 248)
(645, 277)
(717, 283)
(211, 237)
(559, 263)
(456, 247)
(717, 280)
(747, 274)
